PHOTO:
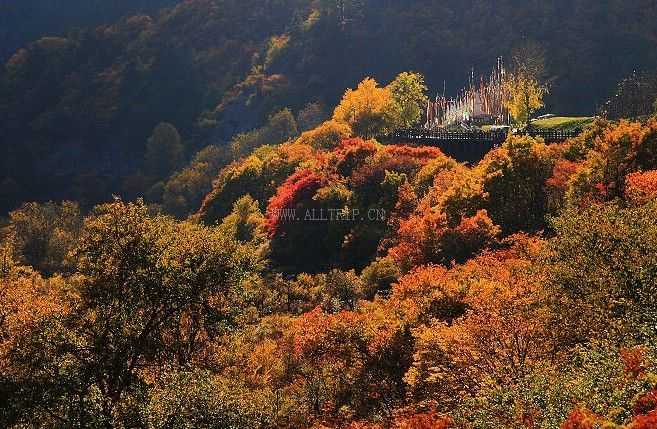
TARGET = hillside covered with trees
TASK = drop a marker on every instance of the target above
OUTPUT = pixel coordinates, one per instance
(79, 106)
(24, 21)
(331, 281)
(209, 225)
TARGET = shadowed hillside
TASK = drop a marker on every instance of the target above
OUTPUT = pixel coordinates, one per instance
(22, 21)
(80, 109)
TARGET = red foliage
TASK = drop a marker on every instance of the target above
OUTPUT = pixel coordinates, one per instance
(648, 421)
(641, 187)
(580, 419)
(646, 403)
(417, 237)
(602, 190)
(301, 185)
(408, 159)
(401, 159)
(352, 153)
(473, 233)
(373, 174)
(563, 170)
(430, 420)
(422, 153)
(634, 361)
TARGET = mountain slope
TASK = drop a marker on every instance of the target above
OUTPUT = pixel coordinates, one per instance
(26, 20)
(82, 107)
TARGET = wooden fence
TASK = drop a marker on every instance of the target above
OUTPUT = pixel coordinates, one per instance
(469, 146)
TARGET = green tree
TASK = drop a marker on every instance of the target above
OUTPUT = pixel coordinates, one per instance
(311, 116)
(344, 290)
(183, 193)
(149, 294)
(7, 262)
(280, 127)
(379, 276)
(514, 180)
(409, 98)
(44, 234)
(189, 399)
(164, 151)
(246, 223)
(602, 268)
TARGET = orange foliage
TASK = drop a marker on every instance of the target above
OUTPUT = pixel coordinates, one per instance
(418, 239)
(325, 136)
(422, 153)
(634, 361)
(506, 330)
(26, 300)
(406, 202)
(581, 419)
(435, 292)
(318, 335)
(353, 153)
(428, 238)
(641, 187)
(356, 356)
(296, 152)
(648, 421)
(430, 420)
(400, 159)
(484, 321)
(557, 185)
(562, 172)
(473, 233)
(427, 293)
(627, 147)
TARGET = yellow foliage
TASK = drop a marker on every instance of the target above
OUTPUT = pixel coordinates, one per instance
(503, 333)
(326, 136)
(365, 109)
(277, 45)
(26, 300)
(525, 96)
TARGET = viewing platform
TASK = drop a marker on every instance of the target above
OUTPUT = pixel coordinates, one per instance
(470, 146)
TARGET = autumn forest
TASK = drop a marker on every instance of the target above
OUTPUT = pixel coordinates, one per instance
(206, 220)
